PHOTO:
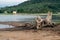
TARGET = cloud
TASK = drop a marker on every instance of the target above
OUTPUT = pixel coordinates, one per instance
(10, 2)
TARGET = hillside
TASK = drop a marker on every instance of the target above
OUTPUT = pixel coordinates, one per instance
(35, 6)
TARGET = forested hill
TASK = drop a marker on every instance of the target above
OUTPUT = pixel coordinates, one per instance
(35, 6)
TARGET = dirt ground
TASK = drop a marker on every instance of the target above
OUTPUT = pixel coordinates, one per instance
(31, 34)
(28, 35)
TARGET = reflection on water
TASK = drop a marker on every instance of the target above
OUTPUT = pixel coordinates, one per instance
(5, 18)
(14, 17)
(5, 26)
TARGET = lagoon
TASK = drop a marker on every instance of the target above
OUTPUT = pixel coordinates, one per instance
(23, 18)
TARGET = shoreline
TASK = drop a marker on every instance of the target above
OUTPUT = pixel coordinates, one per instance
(29, 14)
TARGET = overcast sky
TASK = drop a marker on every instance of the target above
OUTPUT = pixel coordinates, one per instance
(4, 3)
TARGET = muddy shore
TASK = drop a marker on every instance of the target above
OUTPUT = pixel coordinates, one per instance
(46, 33)
(29, 35)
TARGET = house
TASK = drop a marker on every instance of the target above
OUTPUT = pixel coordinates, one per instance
(14, 12)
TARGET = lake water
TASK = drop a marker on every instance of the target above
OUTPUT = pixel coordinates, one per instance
(25, 18)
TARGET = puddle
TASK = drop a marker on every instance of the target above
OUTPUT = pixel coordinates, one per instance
(5, 26)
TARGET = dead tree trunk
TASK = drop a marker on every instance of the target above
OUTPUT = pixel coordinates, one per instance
(44, 22)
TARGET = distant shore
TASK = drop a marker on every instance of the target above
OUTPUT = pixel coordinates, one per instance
(27, 14)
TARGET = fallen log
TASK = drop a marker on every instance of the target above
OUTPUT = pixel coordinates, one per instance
(44, 22)
(18, 24)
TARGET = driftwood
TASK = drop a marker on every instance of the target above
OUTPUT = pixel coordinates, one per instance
(44, 22)
(18, 24)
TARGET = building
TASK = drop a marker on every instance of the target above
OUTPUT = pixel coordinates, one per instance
(14, 12)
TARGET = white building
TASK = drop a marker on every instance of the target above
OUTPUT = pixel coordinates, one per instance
(14, 12)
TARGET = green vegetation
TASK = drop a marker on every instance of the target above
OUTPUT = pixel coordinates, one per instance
(34, 6)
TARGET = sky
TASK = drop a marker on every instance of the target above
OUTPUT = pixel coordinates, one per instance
(4, 3)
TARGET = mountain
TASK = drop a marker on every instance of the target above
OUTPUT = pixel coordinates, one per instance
(34, 6)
